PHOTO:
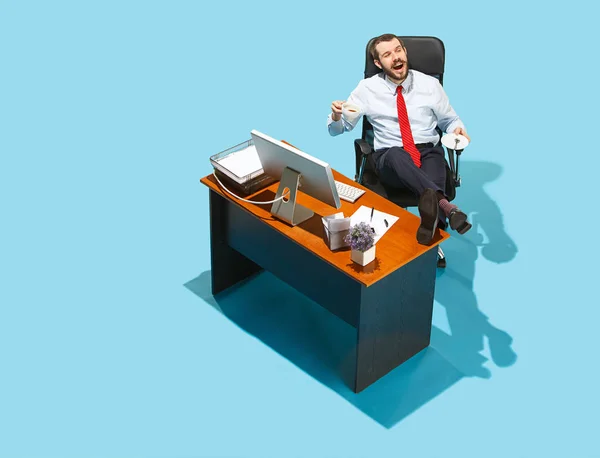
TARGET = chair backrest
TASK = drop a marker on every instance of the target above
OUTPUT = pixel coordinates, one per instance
(425, 54)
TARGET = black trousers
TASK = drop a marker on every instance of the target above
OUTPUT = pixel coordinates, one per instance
(396, 168)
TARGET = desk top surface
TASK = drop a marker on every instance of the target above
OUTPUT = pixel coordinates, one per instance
(396, 248)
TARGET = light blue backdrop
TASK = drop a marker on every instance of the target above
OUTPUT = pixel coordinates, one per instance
(110, 343)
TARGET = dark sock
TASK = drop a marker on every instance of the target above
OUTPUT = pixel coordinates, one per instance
(446, 206)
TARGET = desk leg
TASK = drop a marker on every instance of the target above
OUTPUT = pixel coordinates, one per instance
(228, 266)
(395, 319)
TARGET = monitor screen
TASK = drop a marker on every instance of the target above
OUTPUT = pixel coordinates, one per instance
(316, 176)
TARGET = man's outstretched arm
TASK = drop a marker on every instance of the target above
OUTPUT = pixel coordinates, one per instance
(336, 124)
(448, 120)
(334, 121)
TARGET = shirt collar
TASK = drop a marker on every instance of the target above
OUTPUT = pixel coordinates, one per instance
(407, 83)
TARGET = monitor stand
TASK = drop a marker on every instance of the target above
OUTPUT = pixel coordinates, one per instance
(287, 209)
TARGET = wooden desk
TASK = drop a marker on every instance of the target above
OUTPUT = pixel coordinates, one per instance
(389, 301)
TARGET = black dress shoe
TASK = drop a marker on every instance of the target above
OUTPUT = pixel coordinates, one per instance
(429, 211)
(458, 221)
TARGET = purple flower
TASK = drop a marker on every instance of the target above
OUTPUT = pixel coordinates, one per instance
(360, 237)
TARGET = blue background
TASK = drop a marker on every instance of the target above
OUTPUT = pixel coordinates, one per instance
(110, 342)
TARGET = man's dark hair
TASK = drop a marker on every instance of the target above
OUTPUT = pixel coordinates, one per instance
(379, 39)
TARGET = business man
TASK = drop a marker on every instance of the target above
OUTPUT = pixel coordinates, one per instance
(404, 107)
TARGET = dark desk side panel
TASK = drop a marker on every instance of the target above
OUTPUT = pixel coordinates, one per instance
(295, 265)
(395, 319)
(228, 265)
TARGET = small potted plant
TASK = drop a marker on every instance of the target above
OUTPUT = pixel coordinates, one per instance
(362, 242)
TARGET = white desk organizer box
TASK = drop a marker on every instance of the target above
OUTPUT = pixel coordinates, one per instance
(335, 228)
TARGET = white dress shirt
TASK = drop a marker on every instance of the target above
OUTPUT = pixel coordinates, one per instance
(426, 103)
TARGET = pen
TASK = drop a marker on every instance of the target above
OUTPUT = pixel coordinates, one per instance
(386, 223)
(372, 210)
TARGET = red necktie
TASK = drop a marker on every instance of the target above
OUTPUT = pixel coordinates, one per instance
(407, 139)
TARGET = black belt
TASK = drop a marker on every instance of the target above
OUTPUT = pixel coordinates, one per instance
(418, 145)
(422, 145)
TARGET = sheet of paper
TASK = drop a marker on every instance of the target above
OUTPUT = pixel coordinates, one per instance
(243, 162)
(363, 214)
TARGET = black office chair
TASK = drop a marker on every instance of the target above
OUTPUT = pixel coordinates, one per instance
(427, 55)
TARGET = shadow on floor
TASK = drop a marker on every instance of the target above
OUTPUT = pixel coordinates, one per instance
(323, 346)
(455, 284)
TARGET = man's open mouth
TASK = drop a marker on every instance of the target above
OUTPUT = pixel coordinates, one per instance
(398, 66)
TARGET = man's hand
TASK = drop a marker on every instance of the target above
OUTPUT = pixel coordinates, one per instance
(336, 109)
(461, 131)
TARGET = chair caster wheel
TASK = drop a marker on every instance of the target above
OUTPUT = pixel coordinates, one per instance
(441, 263)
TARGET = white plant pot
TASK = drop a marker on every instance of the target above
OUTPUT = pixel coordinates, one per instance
(363, 257)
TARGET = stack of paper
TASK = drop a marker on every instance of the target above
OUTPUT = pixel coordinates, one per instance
(242, 165)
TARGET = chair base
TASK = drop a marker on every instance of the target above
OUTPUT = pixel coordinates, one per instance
(441, 262)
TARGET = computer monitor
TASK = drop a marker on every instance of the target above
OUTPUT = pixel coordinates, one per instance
(295, 169)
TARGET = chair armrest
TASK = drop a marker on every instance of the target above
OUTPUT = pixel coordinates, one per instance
(453, 162)
(362, 149)
(363, 146)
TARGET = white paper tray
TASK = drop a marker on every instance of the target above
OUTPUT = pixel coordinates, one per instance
(240, 163)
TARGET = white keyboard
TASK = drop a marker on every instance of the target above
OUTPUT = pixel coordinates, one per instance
(347, 192)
